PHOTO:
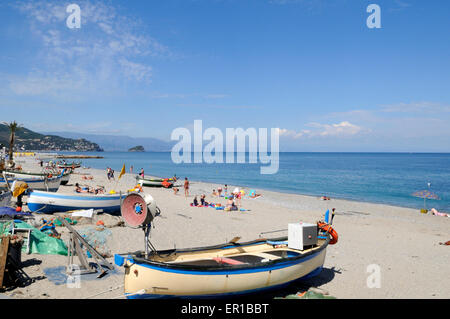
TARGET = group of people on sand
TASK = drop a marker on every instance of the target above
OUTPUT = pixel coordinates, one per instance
(203, 201)
(90, 190)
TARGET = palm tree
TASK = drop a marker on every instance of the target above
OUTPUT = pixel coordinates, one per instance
(13, 126)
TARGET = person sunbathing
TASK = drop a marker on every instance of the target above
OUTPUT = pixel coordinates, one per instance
(195, 202)
(78, 189)
(436, 213)
(230, 204)
(203, 201)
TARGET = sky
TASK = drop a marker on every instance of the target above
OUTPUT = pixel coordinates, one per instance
(311, 68)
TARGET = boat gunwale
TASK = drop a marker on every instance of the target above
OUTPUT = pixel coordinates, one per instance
(37, 174)
(78, 196)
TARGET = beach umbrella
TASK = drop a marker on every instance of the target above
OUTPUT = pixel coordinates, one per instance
(425, 194)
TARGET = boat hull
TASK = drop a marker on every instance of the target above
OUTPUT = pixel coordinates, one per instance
(154, 182)
(50, 184)
(23, 175)
(163, 281)
(45, 202)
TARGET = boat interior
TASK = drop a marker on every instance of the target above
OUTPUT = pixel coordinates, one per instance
(232, 254)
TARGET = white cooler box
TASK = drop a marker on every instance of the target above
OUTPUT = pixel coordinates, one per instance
(301, 235)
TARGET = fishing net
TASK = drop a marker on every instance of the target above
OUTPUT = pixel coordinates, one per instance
(98, 237)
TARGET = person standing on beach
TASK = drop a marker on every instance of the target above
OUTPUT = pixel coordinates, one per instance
(186, 187)
(131, 169)
(225, 190)
(108, 173)
(142, 173)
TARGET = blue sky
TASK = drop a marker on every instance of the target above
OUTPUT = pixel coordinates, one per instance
(309, 67)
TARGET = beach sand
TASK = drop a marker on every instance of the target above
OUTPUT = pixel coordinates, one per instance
(402, 242)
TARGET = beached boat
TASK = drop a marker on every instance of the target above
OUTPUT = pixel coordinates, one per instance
(231, 269)
(47, 184)
(155, 182)
(5, 198)
(26, 175)
(69, 165)
(46, 202)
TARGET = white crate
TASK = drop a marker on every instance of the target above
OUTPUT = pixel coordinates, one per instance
(301, 235)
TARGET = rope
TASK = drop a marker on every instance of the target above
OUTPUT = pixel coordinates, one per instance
(139, 292)
(100, 293)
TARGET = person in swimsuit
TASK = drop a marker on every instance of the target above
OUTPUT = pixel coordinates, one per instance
(195, 202)
(186, 187)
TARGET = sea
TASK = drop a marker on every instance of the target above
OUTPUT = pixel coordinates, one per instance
(386, 178)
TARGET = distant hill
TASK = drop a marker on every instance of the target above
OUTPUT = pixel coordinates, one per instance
(121, 143)
(139, 148)
(27, 140)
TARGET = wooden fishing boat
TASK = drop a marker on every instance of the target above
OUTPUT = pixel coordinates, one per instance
(155, 182)
(227, 270)
(26, 174)
(41, 183)
(5, 197)
(46, 202)
(69, 165)
(219, 271)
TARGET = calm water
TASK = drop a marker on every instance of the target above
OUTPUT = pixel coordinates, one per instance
(388, 178)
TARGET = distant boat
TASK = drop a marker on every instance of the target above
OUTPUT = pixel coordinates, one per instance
(47, 184)
(47, 202)
(5, 198)
(231, 269)
(155, 182)
(24, 175)
(69, 165)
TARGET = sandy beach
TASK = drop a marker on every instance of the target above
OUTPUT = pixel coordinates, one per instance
(403, 242)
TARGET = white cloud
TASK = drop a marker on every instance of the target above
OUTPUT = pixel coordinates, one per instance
(342, 129)
(108, 50)
(417, 107)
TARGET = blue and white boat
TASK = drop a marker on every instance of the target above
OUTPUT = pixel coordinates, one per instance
(47, 202)
(48, 184)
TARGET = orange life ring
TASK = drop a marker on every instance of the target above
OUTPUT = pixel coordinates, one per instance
(327, 228)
